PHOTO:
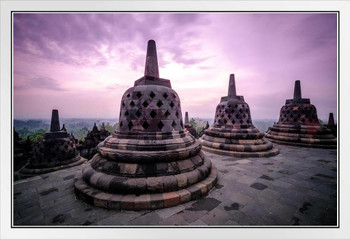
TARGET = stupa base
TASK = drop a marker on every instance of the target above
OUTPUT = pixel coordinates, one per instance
(151, 201)
(26, 172)
(300, 144)
(272, 152)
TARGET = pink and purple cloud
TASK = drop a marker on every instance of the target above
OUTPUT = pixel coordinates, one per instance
(82, 63)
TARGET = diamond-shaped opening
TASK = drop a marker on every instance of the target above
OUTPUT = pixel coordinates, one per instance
(160, 125)
(153, 114)
(226, 111)
(145, 104)
(138, 94)
(130, 125)
(244, 115)
(165, 95)
(225, 121)
(177, 114)
(240, 111)
(173, 124)
(123, 104)
(222, 115)
(121, 123)
(229, 116)
(132, 104)
(145, 125)
(126, 113)
(138, 113)
(237, 116)
(182, 125)
(243, 106)
(236, 106)
(241, 121)
(172, 104)
(128, 95)
(152, 95)
(229, 106)
(166, 113)
(233, 121)
(174, 96)
(159, 103)
(248, 121)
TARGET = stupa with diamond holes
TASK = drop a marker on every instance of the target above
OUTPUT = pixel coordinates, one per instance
(299, 125)
(149, 161)
(56, 151)
(233, 133)
(189, 127)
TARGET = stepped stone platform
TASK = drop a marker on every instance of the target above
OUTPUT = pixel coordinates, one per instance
(296, 187)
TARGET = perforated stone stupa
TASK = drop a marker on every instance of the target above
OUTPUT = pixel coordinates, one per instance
(299, 125)
(233, 132)
(149, 162)
(56, 151)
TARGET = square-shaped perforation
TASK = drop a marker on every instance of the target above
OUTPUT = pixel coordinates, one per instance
(145, 125)
(160, 125)
(145, 104)
(138, 94)
(159, 103)
(138, 113)
(153, 114)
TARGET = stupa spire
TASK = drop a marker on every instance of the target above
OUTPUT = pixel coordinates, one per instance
(297, 90)
(55, 121)
(151, 68)
(232, 87)
(186, 118)
(331, 119)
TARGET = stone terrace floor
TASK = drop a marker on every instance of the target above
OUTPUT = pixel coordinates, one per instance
(296, 187)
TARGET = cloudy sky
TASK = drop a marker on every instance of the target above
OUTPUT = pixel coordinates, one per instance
(82, 63)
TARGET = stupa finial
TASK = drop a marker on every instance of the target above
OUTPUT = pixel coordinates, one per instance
(331, 119)
(151, 68)
(297, 90)
(55, 121)
(186, 118)
(232, 87)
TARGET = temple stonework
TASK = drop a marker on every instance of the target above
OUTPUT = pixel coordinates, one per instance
(233, 132)
(299, 125)
(189, 127)
(87, 148)
(149, 162)
(56, 151)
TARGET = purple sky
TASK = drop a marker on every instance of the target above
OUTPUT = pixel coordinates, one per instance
(82, 63)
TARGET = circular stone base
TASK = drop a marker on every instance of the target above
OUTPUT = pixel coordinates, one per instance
(311, 145)
(144, 201)
(272, 152)
(30, 172)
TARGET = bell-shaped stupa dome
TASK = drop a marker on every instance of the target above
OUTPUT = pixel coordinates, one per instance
(233, 132)
(150, 161)
(299, 125)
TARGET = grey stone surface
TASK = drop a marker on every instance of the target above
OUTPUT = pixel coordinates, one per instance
(306, 196)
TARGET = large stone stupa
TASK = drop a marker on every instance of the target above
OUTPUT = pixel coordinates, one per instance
(299, 125)
(233, 132)
(149, 162)
(56, 151)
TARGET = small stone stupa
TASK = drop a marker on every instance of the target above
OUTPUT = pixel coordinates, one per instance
(149, 162)
(56, 151)
(331, 124)
(233, 132)
(189, 127)
(299, 125)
